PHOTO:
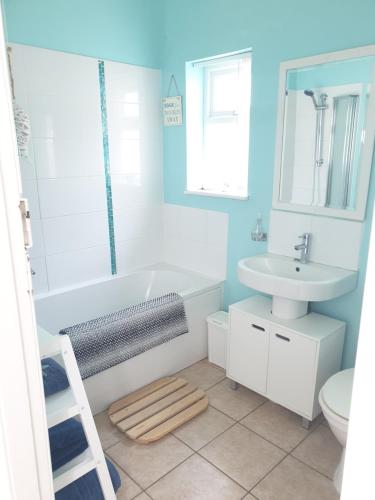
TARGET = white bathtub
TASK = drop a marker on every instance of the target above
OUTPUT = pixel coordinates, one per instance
(202, 296)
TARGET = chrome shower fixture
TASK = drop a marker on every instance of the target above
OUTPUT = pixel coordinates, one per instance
(322, 99)
(320, 108)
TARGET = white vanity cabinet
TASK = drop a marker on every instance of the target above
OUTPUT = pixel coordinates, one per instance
(287, 361)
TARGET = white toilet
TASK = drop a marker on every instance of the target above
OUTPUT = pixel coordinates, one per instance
(334, 398)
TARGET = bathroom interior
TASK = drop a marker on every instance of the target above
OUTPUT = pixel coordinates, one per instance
(198, 189)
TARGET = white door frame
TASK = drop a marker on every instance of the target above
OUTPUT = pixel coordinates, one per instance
(358, 482)
(24, 452)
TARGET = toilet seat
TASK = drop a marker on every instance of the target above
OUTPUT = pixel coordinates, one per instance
(336, 394)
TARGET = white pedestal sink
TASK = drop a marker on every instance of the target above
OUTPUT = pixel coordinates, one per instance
(292, 284)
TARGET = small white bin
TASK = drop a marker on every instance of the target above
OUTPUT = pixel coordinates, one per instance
(217, 338)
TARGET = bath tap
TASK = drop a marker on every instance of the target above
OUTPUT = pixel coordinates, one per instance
(304, 247)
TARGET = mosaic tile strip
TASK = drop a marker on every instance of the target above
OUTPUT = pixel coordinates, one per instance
(107, 170)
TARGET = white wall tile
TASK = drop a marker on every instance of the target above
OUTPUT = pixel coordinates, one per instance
(125, 156)
(70, 268)
(27, 165)
(127, 192)
(285, 228)
(37, 249)
(135, 222)
(68, 157)
(334, 242)
(196, 239)
(64, 178)
(172, 217)
(214, 261)
(133, 84)
(43, 71)
(39, 279)
(71, 196)
(137, 253)
(194, 224)
(74, 232)
(64, 117)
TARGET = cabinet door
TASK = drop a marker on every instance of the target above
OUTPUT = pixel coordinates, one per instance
(292, 370)
(248, 350)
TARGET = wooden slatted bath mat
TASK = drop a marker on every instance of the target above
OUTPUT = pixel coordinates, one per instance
(155, 410)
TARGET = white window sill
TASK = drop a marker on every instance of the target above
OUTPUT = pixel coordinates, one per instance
(214, 194)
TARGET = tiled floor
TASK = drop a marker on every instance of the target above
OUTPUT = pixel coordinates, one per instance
(242, 447)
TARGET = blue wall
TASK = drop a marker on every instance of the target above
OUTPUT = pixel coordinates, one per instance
(167, 33)
(276, 31)
(118, 30)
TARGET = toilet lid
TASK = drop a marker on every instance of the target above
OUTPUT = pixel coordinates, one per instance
(337, 392)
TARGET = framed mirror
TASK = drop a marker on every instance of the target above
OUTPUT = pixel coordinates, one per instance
(325, 133)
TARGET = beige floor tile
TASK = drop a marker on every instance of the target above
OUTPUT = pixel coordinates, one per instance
(236, 404)
(292, 480)
(320, 450)
(203, 428)
(129, 489)
(196, 479)
(203, 374)
(148, 463)
(243, 455)
(143, 496)
(108, 433)
(249, 497)
(276, 424)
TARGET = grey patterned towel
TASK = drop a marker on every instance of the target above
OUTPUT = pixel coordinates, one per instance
(104, 342)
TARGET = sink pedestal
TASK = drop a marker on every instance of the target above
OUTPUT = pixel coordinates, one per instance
(287, 308)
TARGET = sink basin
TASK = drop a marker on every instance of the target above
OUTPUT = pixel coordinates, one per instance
(293, 284)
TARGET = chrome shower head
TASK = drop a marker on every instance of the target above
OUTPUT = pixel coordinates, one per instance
(322, 99)
(310, 93)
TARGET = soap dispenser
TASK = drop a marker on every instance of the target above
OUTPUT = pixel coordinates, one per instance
(258, 234)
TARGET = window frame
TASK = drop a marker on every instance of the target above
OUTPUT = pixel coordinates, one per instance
(205, 71)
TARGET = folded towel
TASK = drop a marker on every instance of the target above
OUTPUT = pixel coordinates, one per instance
(104, 342)
(67, 440)
(54, 377)
(88, 487)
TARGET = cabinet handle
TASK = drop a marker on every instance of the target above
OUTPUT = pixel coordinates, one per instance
(257, 327)
(282, 337)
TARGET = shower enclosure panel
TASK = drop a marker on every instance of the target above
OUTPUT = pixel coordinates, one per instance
(342, 146)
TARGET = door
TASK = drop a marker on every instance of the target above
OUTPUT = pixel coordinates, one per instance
(23, 437)
(248, 350)
(292, 370)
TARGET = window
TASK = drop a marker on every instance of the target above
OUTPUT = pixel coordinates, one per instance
(218, 118)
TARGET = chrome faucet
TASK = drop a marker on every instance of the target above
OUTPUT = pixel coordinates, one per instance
(304, 247)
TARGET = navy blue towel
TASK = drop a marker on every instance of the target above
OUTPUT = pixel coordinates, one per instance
(54, 377)
(67, 440)
(88, 487)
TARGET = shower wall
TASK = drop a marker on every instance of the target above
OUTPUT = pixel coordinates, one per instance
(309, 184)
(71, 179)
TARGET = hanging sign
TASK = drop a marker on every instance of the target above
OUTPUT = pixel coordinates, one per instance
(172, 106)
(172, 111)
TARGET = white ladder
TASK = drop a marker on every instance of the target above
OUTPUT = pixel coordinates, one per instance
(70, 403)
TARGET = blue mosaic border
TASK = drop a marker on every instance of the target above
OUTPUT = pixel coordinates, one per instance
(107, 170)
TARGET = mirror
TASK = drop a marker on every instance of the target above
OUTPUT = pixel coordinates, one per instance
(326, 133)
